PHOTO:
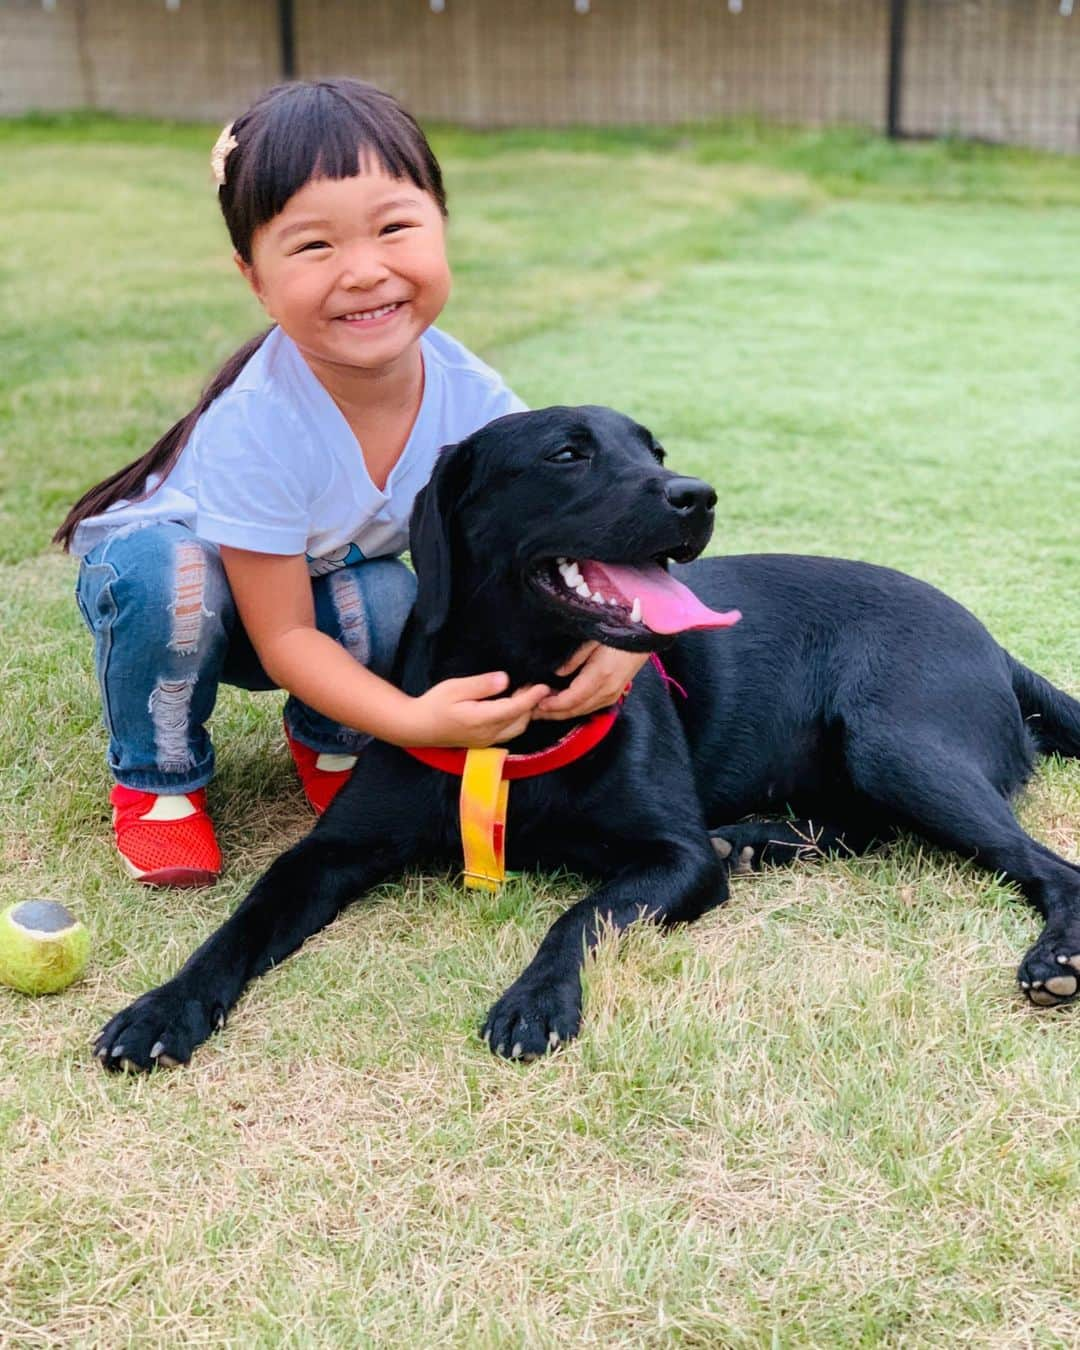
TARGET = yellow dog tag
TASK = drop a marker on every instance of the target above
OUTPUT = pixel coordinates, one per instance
(484, 796)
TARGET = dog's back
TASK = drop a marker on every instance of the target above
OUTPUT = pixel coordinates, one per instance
(824, 642)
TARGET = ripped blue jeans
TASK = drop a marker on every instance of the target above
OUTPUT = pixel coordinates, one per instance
(166, 634)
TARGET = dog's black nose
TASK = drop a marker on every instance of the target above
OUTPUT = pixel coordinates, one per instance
(689, 495)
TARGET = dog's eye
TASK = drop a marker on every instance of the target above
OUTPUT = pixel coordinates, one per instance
(566, 455)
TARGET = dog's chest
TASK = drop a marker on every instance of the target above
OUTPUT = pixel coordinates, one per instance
(547, 826)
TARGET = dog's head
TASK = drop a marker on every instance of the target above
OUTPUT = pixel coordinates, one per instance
(561, 521)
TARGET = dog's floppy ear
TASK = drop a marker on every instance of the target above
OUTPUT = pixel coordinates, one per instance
(429, 534)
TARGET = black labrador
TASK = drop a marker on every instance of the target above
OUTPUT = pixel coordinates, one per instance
(849, 703)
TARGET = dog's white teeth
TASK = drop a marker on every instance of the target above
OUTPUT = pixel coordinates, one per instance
(569, 573)
(635, 611)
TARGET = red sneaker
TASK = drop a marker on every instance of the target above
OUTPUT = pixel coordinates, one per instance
(322, 776)
(165, 839)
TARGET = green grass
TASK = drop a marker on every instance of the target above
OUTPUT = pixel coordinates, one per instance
(819, 1117)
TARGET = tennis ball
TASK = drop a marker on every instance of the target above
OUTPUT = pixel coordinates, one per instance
(43, 947)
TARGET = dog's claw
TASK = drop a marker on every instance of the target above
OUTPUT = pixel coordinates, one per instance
(1048, 975)
(161, 1028)
(534, 1019)
(745, 865)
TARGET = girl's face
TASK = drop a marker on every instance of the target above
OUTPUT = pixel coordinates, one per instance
(353, 269)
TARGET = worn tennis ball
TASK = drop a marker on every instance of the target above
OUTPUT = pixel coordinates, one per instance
(43, 947)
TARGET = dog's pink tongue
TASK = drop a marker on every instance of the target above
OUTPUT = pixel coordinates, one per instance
(667, 606)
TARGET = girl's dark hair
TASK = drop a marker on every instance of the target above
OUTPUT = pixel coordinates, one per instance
(290, 135)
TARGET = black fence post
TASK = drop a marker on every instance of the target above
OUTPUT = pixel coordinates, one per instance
(287, 32)
(897, 15)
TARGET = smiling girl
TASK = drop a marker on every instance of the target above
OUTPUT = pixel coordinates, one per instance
(256, 542)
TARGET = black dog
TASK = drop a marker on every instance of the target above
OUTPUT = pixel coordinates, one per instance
(851, 700)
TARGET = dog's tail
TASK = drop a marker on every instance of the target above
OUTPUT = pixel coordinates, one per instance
(1052, 716)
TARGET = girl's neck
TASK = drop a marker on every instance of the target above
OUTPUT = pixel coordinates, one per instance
(363, 394)
(380, 407)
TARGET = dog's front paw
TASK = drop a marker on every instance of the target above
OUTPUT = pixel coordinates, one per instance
(532, 1019)
(162, 1028)
(1050, 973)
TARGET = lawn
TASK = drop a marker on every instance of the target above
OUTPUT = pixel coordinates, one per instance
(819, 1117)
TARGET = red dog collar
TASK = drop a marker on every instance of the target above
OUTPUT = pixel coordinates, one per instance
(572, 746)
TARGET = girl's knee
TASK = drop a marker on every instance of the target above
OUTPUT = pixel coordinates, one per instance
(197, 595)
(166, 572)
(393, 587)
(369, 603)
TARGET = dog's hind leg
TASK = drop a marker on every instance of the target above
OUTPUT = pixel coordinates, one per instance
(942, 793)
(679, 880)
(751, 845)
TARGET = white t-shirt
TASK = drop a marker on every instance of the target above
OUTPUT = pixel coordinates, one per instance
(273, 466)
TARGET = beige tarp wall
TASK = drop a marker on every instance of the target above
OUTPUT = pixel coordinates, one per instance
(539, 61)
(998, 69)
(1002, 70)
(197, 61)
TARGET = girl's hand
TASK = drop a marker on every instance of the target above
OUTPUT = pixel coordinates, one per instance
(603, 674)
(466, 712)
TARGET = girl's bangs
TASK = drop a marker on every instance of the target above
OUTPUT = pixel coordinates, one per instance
(331, 142)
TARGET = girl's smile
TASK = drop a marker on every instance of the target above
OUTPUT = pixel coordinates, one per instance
(368, 317)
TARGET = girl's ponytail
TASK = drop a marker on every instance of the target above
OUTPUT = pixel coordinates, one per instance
(129, 483)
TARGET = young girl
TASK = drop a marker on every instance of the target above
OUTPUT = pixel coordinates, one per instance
(256, 542)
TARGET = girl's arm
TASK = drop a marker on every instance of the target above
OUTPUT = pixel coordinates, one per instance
(273, 598)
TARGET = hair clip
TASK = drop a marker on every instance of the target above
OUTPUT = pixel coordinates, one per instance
(225, 144)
